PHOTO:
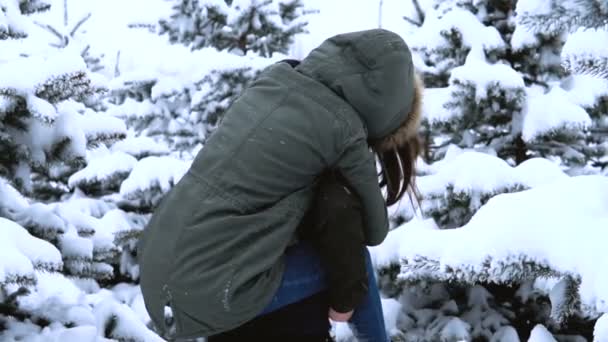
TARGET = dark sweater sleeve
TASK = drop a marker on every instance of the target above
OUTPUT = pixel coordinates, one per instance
(335, 227)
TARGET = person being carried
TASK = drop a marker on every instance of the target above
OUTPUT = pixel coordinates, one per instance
(275, 212)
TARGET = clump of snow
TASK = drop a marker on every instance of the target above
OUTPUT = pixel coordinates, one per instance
(192, 66)
(541, 334)
(54, 297)
(41, 219)
(342, 331)
(474, 33)
(391, 309)
(476, 70)
(83, 334)
(455, 330)
(539, 171)
(453, 179)
(101, 170)
(40, 68)
(561, 225)
(11, 201)
(140, 147)
(84, 223)
(126, 324)
(585, 90)
(600, 331)
(433, 108)
(21, 254)
(497, 175)
(522, 37)
(115, 224)
(545, 113)
(151, 172)
(505, 334)
(79, 202)
(387, 253)
(132, 109)
(586, 43)
(533, 7)
(98, 126)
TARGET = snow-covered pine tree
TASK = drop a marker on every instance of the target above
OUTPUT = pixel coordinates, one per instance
(46, 136)
(587, 19)
(501, 246)
(583, 23)
(497, 99)
(503, 90)
(261, 26)
(183, 104)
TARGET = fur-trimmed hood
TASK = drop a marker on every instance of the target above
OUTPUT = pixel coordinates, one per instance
(373, 71)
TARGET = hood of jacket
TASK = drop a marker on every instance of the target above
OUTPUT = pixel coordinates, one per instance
(373, 71)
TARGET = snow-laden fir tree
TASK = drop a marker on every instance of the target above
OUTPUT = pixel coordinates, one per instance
(587, 19)
(519, 251)
(54, 254)
(584, 24)
(503, 89)
(260, 26)
(497, 99)
(182, 104)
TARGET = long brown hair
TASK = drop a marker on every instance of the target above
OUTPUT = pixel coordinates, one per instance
(398, 170)
(397, 153)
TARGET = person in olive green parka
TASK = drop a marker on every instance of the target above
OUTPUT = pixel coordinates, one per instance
(214, 248)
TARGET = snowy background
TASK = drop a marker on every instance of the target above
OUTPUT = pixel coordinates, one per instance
(104, 105)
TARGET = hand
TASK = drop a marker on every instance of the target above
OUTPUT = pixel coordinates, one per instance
(339, 317)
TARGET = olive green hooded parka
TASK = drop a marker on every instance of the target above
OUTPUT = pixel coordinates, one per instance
(213, 249)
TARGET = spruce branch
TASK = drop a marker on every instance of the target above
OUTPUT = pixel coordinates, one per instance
(10, 307)
(65, 12)
(80, 23)
(562, 19)
(54, 31)
(419, 13)
(586, 64)
(33, 6)
(565, 299)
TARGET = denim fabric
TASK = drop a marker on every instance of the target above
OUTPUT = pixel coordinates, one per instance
(304, 276)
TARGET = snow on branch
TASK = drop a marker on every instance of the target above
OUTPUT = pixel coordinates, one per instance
(151, 179)
(103, 173)
(21, 254)
(554, 230)
(453, 192)
(584, 52)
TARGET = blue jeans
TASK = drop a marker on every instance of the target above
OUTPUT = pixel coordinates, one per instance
(305, 276)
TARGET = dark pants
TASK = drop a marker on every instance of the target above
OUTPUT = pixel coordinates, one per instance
(331, 254)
